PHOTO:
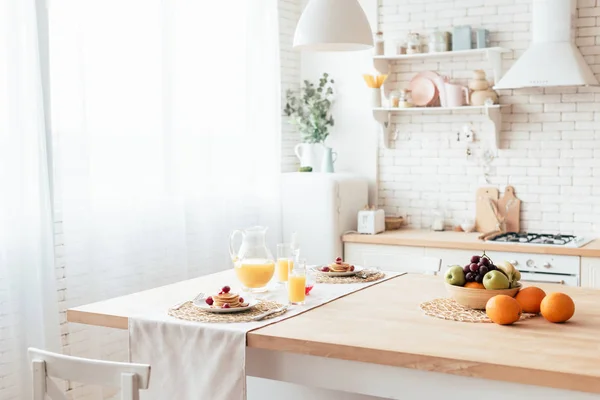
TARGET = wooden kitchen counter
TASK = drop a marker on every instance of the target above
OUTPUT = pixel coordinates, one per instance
(384, 325)
(465, 241)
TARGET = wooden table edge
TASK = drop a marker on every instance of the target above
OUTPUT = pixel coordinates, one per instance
(422, 362)
(108, 321)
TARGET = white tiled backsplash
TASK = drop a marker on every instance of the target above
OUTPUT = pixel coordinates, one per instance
(550, 139)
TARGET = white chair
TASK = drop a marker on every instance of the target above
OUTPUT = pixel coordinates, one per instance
(129, 377)
(402, 263)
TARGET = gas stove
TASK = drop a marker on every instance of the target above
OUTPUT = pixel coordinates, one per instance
(542, 239)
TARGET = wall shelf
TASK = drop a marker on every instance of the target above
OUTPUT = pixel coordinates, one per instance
(384, 117)
(493, 54)
(494, 57)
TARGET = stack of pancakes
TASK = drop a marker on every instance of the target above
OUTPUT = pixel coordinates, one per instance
(339, 267)
(228, 298)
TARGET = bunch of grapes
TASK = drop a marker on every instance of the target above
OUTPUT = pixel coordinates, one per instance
(479, 266)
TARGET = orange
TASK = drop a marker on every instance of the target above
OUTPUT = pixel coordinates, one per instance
(503, 309)
(530, 299)
(557, 307)
(474, 285)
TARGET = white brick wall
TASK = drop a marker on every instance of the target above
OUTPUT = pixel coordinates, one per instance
(550, 139)
(289, 13)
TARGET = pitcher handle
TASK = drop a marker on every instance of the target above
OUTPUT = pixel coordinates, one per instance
(334, 156)
(466, 90)
(297, 151)
(234, 254)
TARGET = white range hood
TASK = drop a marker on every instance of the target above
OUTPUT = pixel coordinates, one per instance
(552, 58)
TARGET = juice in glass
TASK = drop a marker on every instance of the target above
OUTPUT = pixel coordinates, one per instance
(283, 268)
(255, 274)
(296, 283)
(285, 261)
(297, 289)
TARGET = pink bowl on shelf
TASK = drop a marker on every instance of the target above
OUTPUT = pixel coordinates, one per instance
(423, 91)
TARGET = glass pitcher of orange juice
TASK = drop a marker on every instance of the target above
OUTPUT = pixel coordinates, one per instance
(253, 262)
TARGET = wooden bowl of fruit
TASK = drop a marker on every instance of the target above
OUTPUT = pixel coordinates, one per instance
(480, 280)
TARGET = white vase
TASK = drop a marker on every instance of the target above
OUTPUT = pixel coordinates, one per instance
(375, 97)
(309, 155)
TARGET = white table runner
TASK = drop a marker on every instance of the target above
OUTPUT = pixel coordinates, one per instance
(196, 360)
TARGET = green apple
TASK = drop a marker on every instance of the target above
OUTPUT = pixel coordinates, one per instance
(495, 280)
(455, 276)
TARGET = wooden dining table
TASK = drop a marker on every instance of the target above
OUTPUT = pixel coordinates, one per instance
(378, 342)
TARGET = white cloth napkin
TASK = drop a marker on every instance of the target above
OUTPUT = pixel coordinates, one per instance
(194, 360)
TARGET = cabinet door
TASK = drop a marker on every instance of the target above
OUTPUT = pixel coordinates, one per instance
(391, 258)
(590, 272)
(450, 256)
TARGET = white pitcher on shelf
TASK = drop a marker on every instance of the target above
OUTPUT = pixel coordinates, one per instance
(440, 83)
(310, 155)
(456, 95)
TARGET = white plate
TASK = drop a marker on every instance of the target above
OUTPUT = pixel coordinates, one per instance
(201, 304)
(357, 269)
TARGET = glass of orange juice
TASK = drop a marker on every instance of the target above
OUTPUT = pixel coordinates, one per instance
(285, 261)
(296, 283)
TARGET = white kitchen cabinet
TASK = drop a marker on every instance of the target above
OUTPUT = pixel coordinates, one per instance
(590, 272)
(534, 267)
(354, 253)
(353, 250)
(450, 256)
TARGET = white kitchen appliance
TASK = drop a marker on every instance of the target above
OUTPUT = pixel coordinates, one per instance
(320, 208)
(371, 222)
(542, 239)
(543, 268)
(552, 58)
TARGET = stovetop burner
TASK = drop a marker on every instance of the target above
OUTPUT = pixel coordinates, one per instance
(534, 238)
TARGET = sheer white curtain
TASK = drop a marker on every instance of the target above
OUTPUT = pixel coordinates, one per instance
(167, 121)
(28, 297)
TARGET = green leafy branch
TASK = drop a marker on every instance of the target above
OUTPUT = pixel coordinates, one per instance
(310, 111)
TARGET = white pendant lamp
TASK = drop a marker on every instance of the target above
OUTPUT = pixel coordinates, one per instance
(333, 25)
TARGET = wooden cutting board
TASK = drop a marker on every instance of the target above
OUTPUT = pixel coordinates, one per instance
(510, 208)
(485, 219)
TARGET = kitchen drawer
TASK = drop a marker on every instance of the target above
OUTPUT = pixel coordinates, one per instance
(544, 263)
(354, 252)
(450, 256)
(392, 258)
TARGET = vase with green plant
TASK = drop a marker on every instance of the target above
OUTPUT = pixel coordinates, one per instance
(310, 112)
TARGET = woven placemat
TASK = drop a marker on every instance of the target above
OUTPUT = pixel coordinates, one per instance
(322, 278)
(189, 312)
(450, 310)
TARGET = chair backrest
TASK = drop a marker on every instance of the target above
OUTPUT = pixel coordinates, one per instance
(129, 377)
(402, 263)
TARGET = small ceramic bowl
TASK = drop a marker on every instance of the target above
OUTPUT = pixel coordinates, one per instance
(468, 226)
(477, 298)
